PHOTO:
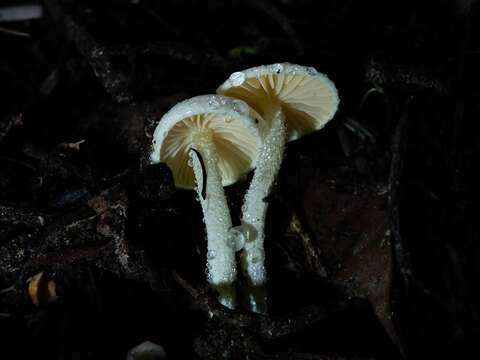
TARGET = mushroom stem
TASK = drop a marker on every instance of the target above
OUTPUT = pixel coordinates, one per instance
(255, 208)
(221, 268)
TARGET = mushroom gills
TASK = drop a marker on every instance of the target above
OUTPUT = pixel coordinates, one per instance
(297, 93)
(235, 152)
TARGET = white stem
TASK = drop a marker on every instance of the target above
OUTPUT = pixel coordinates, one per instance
(255, 209)
(221, 267)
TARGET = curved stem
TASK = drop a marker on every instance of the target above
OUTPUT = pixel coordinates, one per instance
(221, 267)
(255, 209)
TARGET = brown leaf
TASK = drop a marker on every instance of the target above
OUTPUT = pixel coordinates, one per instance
(351, 228)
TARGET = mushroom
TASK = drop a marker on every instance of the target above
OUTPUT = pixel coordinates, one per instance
(210, 141)
(293, 101)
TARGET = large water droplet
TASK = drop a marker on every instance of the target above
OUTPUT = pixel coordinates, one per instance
(237, 78)
(277, 68)
(312, 71)
(211, 255)
(236, 238)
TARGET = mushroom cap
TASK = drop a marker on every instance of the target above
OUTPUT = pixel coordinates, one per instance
(308, 98)
(232, 124)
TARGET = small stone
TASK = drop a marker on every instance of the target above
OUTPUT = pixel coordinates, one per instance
(147, 351)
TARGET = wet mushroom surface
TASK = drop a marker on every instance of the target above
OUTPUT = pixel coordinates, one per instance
(371, 243)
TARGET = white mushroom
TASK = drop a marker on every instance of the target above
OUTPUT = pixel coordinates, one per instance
(294, 101)
(210, 140)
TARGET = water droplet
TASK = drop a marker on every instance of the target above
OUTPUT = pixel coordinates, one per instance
(297, 69)
(214, 102)
(228, 119)
(248, 232)
(190, 162)
(211, 255)
(312, 71)
(240, 107)
(277, 68)
(236, 238)
(237, 78)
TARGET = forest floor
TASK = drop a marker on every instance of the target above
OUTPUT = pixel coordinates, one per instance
(371, 245)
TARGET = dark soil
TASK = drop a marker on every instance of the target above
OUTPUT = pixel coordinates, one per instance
(372, 247)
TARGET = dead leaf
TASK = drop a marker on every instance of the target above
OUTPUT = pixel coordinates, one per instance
(351, 228)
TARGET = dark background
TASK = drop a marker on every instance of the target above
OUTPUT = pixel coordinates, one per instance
(381, 259)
